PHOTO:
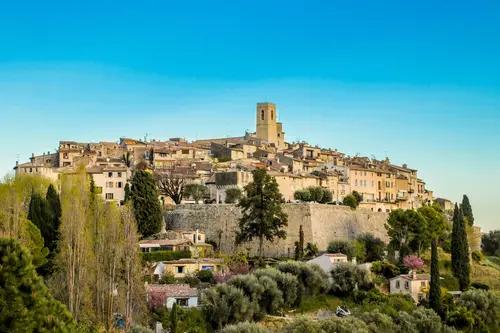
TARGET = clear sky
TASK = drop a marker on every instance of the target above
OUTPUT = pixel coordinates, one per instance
(418, 81)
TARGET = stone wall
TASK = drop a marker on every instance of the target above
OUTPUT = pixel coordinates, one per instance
(321, 224)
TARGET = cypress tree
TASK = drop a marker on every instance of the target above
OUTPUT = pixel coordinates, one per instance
(146, 205)
(460, 263)
(54, 204)
(39, 214)
(173, 319)
(467, 210)
(127, 194)
(435, 289)
(299, 246)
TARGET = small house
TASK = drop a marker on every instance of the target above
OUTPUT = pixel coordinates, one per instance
(328, 261)
(413, 284)
(169, 294)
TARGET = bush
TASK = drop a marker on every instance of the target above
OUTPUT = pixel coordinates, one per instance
(461, 318)
(233, 195)
(421, 320)
(244, 327)
(385, 268)
(378, 322)
(357, 196)
(287, 283)
(340, 246)
(301, 325)
(302, 195)
(484, 304)
(167, 278)
(477, 256)
(206, 276)
(350, 200)
(314, 193)
(225, 304)
(344, 325)
(312, 279)
(165, 255)
(251, 288)
(346, 278)
(374, 247)
(490, 243)
(272, 298)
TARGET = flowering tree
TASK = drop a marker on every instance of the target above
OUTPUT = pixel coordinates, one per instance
(413, 262)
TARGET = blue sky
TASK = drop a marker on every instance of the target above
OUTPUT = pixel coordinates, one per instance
(418, 82)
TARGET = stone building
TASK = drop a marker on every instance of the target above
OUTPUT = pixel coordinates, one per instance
(268, 128)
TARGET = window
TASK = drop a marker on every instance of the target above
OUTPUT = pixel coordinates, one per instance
(109, 196)
(181, 301)
(180, 269)
(407, 285)
(110, 174)
(422, 284)
(207, 268)
(65, 155)
(398, 284)
(119, 184)
(109, 184)
(119, 174)
(261, 114)
(272, 114)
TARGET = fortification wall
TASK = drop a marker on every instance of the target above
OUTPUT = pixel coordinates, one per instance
(321, 224)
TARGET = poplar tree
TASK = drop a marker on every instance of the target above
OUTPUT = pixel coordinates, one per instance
(263, 216)
(146, 205)
(460, 263)
(467, 210)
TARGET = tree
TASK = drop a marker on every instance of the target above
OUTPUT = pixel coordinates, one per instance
(346, 278)
(39, 213)
(127, 159)
(25, 302)
(357, 196)
(299, 246)
(171, 185)
(263, 216)
(404, 227)
(302, 195)
(467, 210)
(490, 243)
(311, 250)
(413, 262)
(233, 195)
(54, 204)
(127, 193)
(173, 319)
(374, 247)
(344, 247)
(435, 288)
(350, 200)
(195, 191)
(146, 205)
(483, 304)
(313, 193)
(460, 262)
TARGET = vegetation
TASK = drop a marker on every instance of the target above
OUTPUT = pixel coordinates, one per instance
(344, 247)
(263, 217)
(233, 195)
(460, 249)
(490, 243)
(146, 205)
(171, 186)
(347, 278)
(165, 255)
(299, 245)
(350, 200)
(25, 302)
(373, 247)
(195, 191)
(467, 210)
(314, 194)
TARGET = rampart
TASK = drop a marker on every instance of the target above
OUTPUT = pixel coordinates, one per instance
(321, 224)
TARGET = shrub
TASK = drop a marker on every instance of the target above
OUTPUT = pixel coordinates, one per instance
(206, 276)
(287, 283)
(350, 200)
(225, 304)
(346, 278)
(252, 289)
(357, 196)
(311, 250)
(378, 322)
(165, 255)
(484, 304)
(301, 325)
(302, 195)
(490, 243)
(385, 268)
(344, 325)
(314, 193)
(374, 247)
(244, 327)
(167, 278)
(272, 297)
(311, 278)
(421, 320)
(461, 318)
(341, 246)
(191, 279)
(477, 256)
(233, 195)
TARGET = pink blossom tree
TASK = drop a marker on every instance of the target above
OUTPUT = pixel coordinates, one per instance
(413, 262)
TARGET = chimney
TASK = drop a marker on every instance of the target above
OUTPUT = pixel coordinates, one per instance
(414, 274)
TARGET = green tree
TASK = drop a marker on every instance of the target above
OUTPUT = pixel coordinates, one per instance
(435, 288)
(54, 204)
(127, 193)
(374, 247)
(490, 243)
(233, 195)
(357, 196)
(146, 205)
(467, 210)
(25, 302)
(39, 213)
(347, 278)
(173, 319)
(263, 216)
(195, 191)
(460, 263)
(299, 245)
(350, 200)
(302, 195)
(405, 228)
(344, 247)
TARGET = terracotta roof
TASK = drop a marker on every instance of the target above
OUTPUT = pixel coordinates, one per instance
(172, 290)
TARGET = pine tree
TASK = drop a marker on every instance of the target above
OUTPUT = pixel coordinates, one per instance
(263, 217)
(25, 302)
(467, 210)
(460, 263)
(146, 205)
(435, 289)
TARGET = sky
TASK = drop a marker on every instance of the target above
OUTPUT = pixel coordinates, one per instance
(418, 82)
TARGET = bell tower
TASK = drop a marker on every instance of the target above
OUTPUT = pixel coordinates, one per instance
(268, 128)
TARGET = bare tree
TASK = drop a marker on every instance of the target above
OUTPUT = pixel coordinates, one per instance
(171, 185)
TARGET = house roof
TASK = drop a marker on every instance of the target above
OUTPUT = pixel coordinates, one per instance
(194, 261)
(163, 242)
(418, 277)
(172, 290)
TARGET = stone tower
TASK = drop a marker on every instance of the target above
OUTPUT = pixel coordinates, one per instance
(268, 129)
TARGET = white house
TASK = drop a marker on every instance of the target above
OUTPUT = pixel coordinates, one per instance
(413, 284)
(170, 294)
(328, 261)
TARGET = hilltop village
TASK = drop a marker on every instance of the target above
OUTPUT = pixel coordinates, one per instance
(224, 163)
